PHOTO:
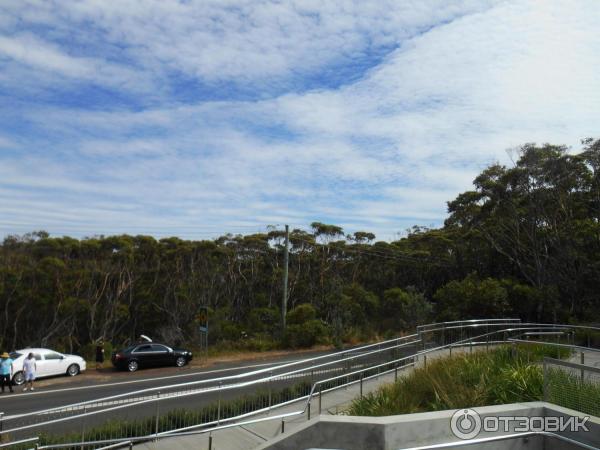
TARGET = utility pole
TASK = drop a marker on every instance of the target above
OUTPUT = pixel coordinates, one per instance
(284, 299)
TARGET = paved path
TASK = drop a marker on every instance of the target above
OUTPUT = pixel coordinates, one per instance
(64, 390)
(253, 435)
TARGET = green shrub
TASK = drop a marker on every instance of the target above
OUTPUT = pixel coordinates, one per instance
(301, 314)
(461, 381)
(305, 335)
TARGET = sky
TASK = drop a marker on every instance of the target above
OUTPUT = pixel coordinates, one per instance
(198, 118)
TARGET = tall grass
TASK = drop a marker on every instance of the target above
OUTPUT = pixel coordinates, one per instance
(569, 390)
(465, 380)
(182, 417)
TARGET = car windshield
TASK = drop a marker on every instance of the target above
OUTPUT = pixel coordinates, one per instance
(128, 349)
(15, 355)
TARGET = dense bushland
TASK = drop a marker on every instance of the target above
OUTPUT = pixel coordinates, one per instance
(525, 242)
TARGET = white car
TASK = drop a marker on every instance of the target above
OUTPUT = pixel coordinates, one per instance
(48, 363)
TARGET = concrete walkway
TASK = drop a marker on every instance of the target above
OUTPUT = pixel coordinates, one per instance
(253, 435)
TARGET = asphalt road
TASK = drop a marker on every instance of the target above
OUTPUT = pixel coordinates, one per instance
(61, 391)
(65, 391)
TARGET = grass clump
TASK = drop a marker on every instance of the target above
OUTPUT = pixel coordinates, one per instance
(569, 390)
(465, 380)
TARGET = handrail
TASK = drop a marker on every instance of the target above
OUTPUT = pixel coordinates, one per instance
(572, 365)
(453, 322)
(313, 389)
(471, 323)
(311, 395)
(556, 344)
(22, 441)
(397, 343)
(503, 437)
(163, 398)
(243, 384)
(227, 377)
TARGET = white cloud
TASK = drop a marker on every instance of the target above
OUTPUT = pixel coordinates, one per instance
(381, 153)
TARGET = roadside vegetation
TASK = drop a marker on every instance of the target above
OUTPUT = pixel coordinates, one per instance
(181, 417)
(523, 242)
(466, 380)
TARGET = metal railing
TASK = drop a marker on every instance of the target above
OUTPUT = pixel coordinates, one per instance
(571, 385)
(167, 398)
(225, 403)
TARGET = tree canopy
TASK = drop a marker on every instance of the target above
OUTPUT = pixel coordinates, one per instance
(524, 242)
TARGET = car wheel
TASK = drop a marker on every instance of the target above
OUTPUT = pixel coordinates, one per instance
(73, 370)
(18, 379)
(180, 361)
(132, 365)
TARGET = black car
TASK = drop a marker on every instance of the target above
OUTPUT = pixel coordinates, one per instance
(150, 354)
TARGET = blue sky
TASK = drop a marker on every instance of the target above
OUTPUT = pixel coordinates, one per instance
(197, 118)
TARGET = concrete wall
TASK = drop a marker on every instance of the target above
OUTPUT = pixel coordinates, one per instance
(413, 430)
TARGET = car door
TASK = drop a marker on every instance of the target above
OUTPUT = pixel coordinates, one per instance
(42, 367)
(53, 363)
(162, 355)
(144, 355)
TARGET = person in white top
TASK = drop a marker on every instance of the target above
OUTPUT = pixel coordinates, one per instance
(29, 369)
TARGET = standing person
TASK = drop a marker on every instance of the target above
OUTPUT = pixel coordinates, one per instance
(29, 368)
(6, 365)
(99, 355)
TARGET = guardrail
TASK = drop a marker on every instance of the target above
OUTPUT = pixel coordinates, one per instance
(274, 390)
(357, 378)
(217, 392)
(572, 385)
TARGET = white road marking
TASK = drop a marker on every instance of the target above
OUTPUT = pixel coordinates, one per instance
(95, 386)
(171, 395)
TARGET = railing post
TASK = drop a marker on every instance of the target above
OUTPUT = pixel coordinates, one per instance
(582, 361)
(282, 426)
(444, 334)
(270, 390)
(219, 404)
(308, 410)
(425, 360)
(209, 441)
(396, 373)
(83, 427)
(545, 371)
(157, 417)
(471, 346)
(1, 419)
(514, 350)
(361, 385)
(450, 349)
(320, 397)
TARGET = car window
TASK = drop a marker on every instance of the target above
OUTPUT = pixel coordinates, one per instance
(37, 356)
(15, 355)
(52, 356)
(143, 348)
(159, 348)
